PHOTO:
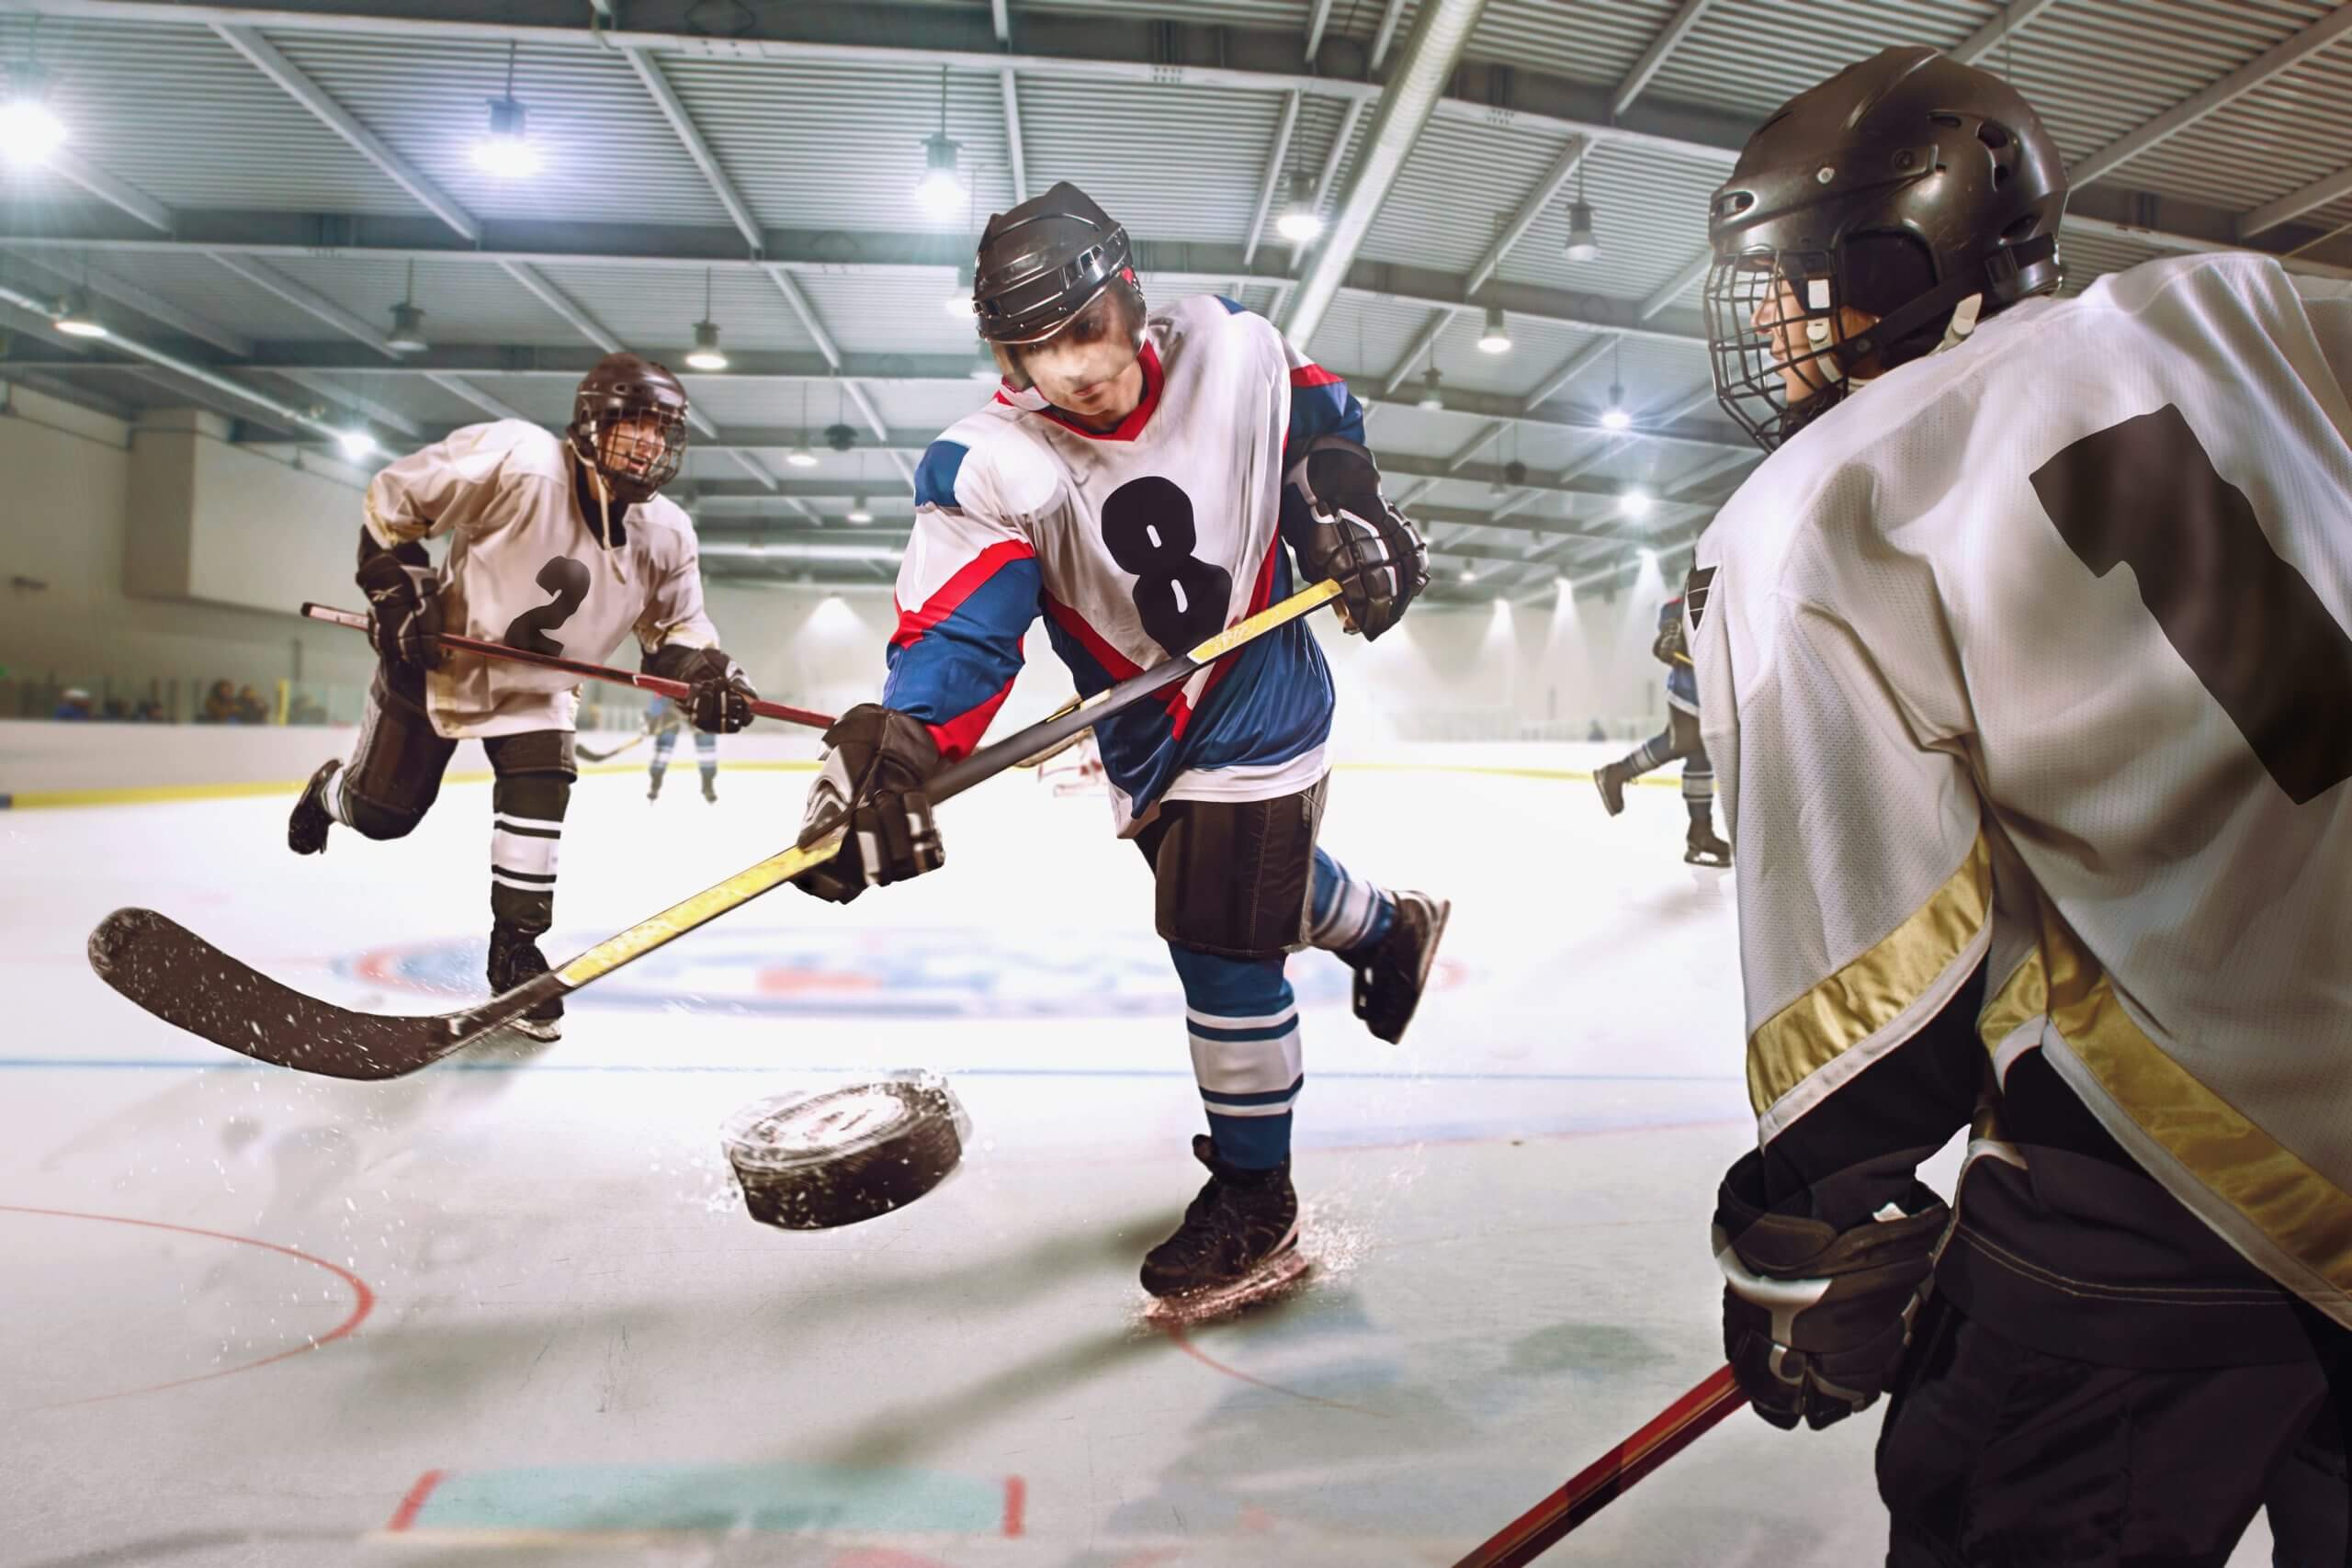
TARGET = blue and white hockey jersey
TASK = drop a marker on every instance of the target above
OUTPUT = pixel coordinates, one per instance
(1135, 545)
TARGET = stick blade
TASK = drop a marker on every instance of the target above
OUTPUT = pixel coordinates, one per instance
(186, 981)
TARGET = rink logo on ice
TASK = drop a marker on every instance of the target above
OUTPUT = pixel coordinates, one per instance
(953, 972)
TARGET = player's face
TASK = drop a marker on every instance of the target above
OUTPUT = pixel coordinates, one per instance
(633, 444)
(1780, 319)
(1089, 368)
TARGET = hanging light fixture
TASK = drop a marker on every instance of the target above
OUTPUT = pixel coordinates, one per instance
(959, 299)
(800, 456)
(357, 444)
(1496, 338)
(407, 335)
(706, 355)
(1581, 246)
(1634, 503)
(1433, 388)
(941, 190)
(1469, 574)
(857, 512)
(1299, 222)
(75, 319)
(1614, 417)
(508, 153)
(29, 128)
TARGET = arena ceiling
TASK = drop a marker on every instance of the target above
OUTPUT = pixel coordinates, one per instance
(246, 194)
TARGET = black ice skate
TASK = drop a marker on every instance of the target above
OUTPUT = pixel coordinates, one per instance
(306, 828)
(710, 791)
(1390, 972)
(1611, 781)
(1702, 848)
(653, 790)
(515, 957)
(1239, 1239)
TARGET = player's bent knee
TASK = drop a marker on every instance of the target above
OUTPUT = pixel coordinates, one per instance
(375, 819)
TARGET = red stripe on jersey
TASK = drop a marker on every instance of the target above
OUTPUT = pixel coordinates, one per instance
(959, 737)
(1313, 376)
(1117, 665)
(1259, 597)
(952, 593)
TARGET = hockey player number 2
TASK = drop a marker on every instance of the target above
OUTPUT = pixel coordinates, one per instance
(568, 581)
(2146, 493)
(1147, 527)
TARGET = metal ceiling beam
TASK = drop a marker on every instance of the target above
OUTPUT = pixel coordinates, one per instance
(1583, 359)
(798, 297)
(116, 193)
(1386, 34)
(1441, 33)
(2254, 74)
(1316, 23)
(1415, 351)
(2320, 193)
(460, 387)
(304, 299)
(1668, 38)
(1276, 155)
(1675, 287)
(389, 418)
(1341, 141)
(1555, 180)
(682, 124)
(263, 57)
(153, 305)
(562, 304)
(1007, 83)
(2013, 19)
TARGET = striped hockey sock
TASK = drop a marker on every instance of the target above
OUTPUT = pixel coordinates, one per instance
(1346, 913)
(525, 837)
(1243, 1022)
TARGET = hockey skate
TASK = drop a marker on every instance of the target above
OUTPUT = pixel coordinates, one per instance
(1238, 1244)
(710, 791)
(515, 957)
(306, 828)
(1391, 973)
(1702, 848)
(1611, 781)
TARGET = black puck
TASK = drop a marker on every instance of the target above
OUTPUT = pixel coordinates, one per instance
(814, 1161)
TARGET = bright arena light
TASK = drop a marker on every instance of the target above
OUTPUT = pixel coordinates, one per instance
(1634, 503)
(1615, 419)
(801, 457)
(508, 153)
(355, 444)
(1299, 228)
(29, 128)
(941, 191)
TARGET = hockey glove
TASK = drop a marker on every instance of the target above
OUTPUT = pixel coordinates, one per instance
(873, 778)
(1815, 1319)
(719, 699)
(1346, 530)
(403, 611)
(1669, 648)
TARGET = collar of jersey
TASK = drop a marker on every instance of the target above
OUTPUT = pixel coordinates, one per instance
(1034, 401)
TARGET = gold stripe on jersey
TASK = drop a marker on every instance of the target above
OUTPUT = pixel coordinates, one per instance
(2025, 995)
(1869, 993)
(2300, 1211)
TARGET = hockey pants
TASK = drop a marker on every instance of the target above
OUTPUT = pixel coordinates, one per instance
(394, 775)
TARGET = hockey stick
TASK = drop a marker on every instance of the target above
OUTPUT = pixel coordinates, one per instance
(658, 685)
(1048, 755)
(186, 981)
(1592, 1489)
(588, 756)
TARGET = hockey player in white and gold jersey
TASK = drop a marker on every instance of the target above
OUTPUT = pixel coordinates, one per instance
(2024, 665)
(560, 545)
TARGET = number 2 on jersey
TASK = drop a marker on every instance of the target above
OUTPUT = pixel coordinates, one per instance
(568, 581)
(2146, 493)
(1148, 527)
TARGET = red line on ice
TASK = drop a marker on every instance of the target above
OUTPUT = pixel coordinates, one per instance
(1176, 1335)
(1016, 1503)
(413, 1504)
(363, 1299)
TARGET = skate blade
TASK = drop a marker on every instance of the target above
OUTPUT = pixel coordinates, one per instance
(544, 1032)
(1274, 1278)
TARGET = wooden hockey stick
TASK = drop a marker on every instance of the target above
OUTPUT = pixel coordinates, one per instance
(186, 981)
(657, 685)
(588, 756)
(1592, 1489)
(1048, 755)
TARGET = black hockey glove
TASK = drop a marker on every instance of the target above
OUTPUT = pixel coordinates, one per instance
(1669, 648)
(718, 699)
(873, 777)
(1346, 530)
(403, 611)
(1815, 1319)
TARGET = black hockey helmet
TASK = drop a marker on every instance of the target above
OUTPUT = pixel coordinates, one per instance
(625, 386)
(1901, 187)
(1046, 260)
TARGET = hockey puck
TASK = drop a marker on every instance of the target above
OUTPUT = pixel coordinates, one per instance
(813, 1161)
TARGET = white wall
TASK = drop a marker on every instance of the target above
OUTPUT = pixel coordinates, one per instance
(65, 512)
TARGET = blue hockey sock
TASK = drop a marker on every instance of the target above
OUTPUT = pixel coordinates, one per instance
(1347, 913)
(1243, 1022)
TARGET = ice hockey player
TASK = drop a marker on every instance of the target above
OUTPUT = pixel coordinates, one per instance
(2024, 659)
(1136, 478)
(1679, 739)
(662, 721)
(560, 545)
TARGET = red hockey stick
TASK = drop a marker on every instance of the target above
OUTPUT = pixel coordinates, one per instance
(1592, 1488)
(653, 683)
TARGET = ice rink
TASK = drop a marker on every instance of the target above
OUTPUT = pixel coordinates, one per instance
(509, 1310)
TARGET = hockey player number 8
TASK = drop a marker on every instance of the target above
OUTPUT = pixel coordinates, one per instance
(568, 581)
(1181, 599)
(2146, 494)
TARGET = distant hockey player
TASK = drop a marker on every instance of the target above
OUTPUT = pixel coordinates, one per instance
(1679, 739)
(662, 721)
(1135, 478)
(559, 544)
(2024, 661)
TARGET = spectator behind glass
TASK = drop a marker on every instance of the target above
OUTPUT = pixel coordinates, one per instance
(73, 703)
(220, 704)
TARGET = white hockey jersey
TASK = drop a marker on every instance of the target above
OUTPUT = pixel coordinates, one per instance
(2034, 654)
(526, 568)
(1135, 545)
